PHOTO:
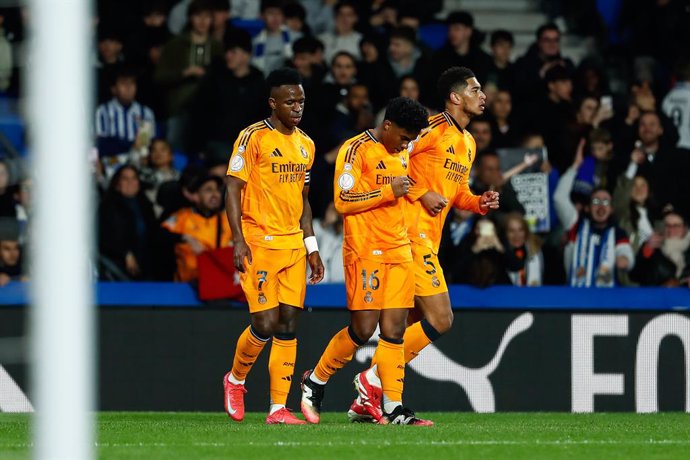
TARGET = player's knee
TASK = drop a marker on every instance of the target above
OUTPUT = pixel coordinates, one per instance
(443, 322)
(264, 326)
(361, 333)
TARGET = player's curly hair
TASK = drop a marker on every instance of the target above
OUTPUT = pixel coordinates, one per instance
(408, 114)
(454, 79)
(283, 76)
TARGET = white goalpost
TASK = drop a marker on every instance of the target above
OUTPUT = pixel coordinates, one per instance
(62, 312)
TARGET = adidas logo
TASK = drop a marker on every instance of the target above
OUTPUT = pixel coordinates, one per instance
(450, 150)
(381, 165)
(276, 153)
(288, 378)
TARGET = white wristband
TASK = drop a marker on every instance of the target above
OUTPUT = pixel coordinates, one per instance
(311, 244)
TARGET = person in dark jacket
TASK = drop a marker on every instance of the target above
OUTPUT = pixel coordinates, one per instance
(126, 223)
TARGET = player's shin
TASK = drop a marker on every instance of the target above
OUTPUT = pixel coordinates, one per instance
(281, 367)
(391, 368)
(337, 354)
(249, 346)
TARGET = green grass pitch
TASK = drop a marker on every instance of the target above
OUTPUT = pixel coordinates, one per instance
(183, 435)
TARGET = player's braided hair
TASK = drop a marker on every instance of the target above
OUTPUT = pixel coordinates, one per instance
(408, 114)
(454, 79)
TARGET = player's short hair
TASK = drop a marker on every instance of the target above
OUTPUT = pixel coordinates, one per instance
(502, 35)
(307, 45)
(453, 79)
(408, 114)
(601, 135)
(406, 33)
(548, 26)
(199, 7)
(283, 76)
(266, 4)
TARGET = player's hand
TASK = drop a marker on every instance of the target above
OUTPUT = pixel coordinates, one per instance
(433, 202)
(489, 200)
(401, 185)
(316, 266)
(242, 252)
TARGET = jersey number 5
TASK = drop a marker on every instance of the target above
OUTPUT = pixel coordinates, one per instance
(430, 264)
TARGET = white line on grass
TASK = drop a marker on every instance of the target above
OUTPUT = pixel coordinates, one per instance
(364, 442)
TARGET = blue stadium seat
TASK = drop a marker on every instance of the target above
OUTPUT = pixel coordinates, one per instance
(180, 160)
(434, 35)
(253, 26)
(13, 128)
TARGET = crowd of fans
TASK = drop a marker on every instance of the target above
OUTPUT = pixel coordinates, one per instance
(178, 79)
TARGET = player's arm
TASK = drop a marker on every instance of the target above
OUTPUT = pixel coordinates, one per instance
(233, 210)
(245, 152)
(351, 197)
(305, 222)
(422, 145)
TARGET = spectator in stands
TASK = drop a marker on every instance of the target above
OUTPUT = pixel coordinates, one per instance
(307, 59)
(352, 116)
(184, 61)
(524, 260)
(635, 209)
(143, 49)
(23, 209)
(6, 58)
(344, 37)
(123, 125)
(296, 19)
(505, 131)
(273, 45)
(544, 54)
(409, 87)
(459, 225)
(329, 235)
(664, 165)
(159, 169)
(198, 228)
(664, 259)
(501, 73)
(598, 252)
(480, 259)
(126, 225)
(403, 59)
(110, 58)
(220, 14)
(10, 258)
(596, 169)
(6, 191)
(676, 104)
(489, 176)
(337, 82)
(590, 80)
(461, 49)
(553, 113)
(231, 96)
(319, 15)
(480, 128)
(177, 19)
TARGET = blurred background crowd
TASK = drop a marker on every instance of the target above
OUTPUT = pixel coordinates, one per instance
(601, 86)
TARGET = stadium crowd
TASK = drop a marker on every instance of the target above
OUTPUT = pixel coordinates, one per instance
(178, 80)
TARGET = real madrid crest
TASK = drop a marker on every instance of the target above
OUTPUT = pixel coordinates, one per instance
(403, 162)
(435, 282)
(262, 298)
(304, 152)
(368, 298)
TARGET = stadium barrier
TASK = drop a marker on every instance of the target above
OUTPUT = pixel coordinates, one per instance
(510, 349)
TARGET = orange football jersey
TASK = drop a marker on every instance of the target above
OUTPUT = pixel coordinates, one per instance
(374, 222)
(276, 168)
(440, 161)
